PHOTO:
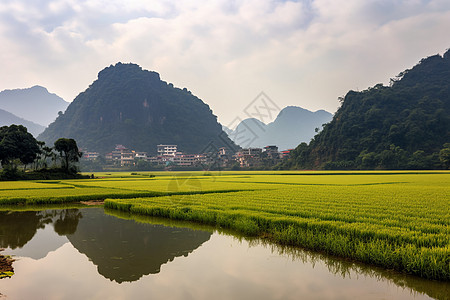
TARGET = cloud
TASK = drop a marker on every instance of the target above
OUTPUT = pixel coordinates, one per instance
(304, 53)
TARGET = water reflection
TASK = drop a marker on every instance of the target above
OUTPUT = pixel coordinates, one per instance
(80, 244)
(29, 233)
(348, 269)
(125, 250)
(67, 221)
(18, 228)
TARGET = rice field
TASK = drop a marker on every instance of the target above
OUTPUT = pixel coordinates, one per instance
(397, 220)
(110, 186)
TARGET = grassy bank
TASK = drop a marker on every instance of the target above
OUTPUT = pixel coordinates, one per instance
(396, 220)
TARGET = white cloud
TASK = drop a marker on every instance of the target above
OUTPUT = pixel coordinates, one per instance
(304, 53)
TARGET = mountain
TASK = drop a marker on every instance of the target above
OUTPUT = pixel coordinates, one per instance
(292, 126)
(35, 104)
(134, 107)
(401, 126)
(227, 130)
(7, 118)
(249, 133)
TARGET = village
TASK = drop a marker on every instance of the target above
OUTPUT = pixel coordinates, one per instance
(169, 156)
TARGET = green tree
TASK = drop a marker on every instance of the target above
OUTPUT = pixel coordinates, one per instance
(45, 153)
(16, 143)
(301, 155)
(419, 161)
(444, 155)
(368, 160)
(69, 153)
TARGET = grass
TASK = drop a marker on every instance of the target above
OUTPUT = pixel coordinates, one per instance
(6, 274)
(396, 220)
(118, 186)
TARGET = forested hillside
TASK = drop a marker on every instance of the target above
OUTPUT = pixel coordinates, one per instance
(134, 107)
(402, 126)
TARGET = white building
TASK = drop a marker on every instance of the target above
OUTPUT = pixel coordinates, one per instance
(167, 150)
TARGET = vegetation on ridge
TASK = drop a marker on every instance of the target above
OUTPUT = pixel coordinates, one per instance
(403, 126)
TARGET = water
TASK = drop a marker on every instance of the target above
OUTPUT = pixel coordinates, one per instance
(87, 254)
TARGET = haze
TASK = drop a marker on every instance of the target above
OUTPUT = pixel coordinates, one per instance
(302, 53)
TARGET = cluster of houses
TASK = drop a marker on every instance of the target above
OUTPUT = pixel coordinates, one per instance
(169, 155)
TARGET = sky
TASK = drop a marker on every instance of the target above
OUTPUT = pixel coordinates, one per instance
(303, 53)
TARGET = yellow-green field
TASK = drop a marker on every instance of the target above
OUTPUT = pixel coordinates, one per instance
(398, 220)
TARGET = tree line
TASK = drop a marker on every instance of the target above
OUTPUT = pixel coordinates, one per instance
(21, 153)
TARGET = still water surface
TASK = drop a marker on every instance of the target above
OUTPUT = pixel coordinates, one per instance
(89, 254)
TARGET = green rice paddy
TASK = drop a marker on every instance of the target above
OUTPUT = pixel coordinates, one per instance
(397, 220)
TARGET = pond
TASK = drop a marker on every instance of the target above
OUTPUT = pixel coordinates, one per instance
(87, 253)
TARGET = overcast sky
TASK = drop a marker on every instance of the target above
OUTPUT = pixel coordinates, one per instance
(304, 53)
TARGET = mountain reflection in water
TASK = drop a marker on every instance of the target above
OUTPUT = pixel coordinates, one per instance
(69, 248)
(122, 250)
(125, 250)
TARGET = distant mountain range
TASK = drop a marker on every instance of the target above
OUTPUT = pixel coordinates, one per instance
(292, 126)
(33, 104)
(134, 107)
(7, 118)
